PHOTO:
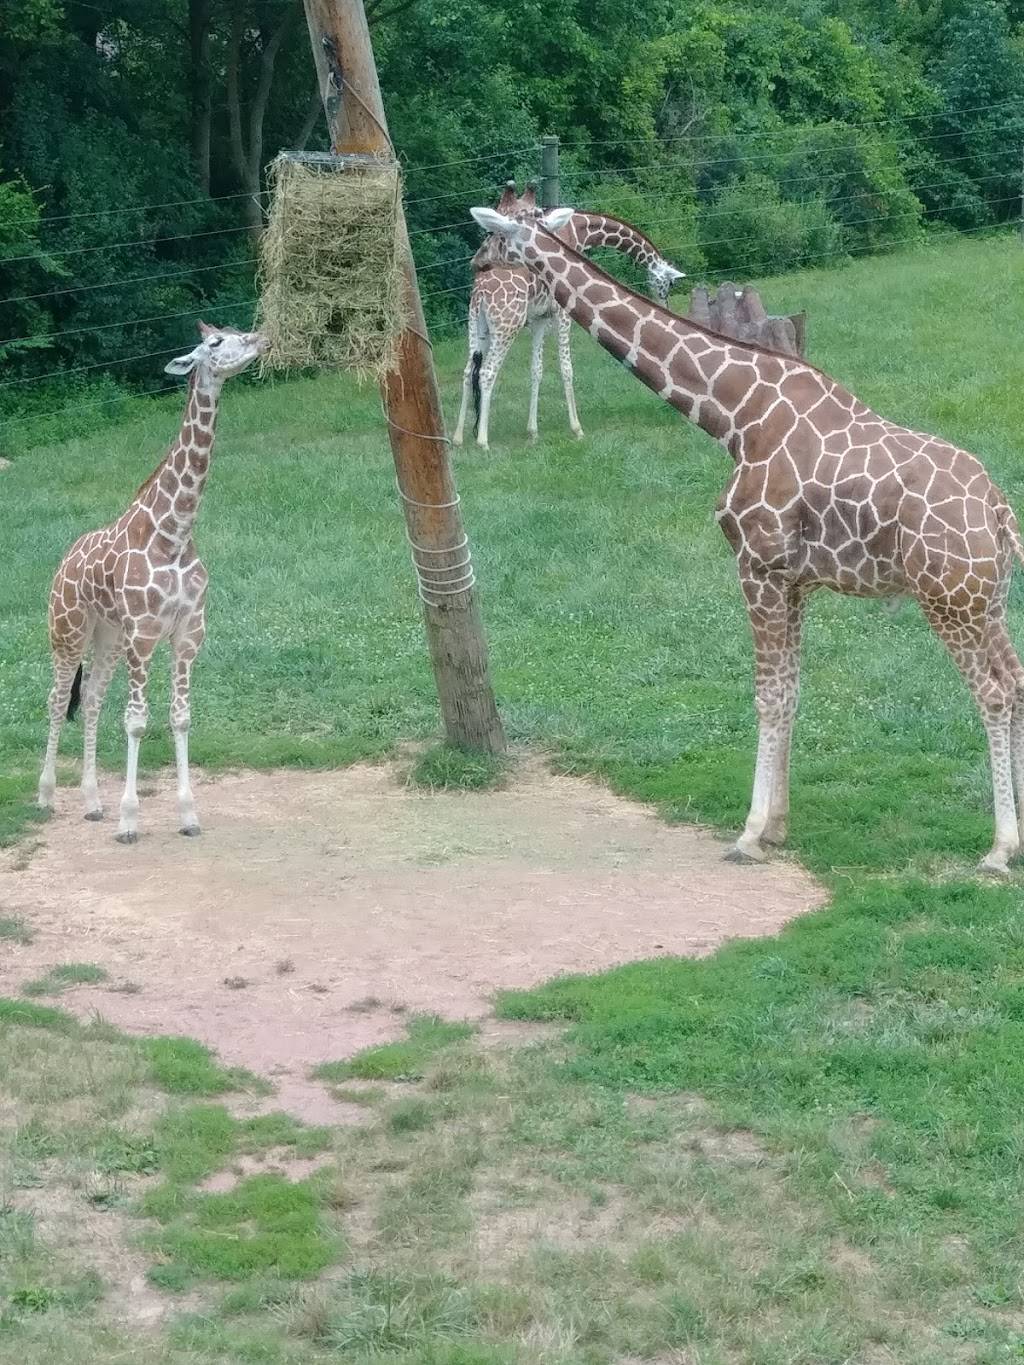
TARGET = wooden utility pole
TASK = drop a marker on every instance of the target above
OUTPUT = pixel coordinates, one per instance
(347, 73)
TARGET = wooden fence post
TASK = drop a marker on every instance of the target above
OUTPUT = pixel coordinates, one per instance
(550, 186)
(340, 40)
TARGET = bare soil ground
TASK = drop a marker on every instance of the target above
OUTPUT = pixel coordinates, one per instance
(318, 907)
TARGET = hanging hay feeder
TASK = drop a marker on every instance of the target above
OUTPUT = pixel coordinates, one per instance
(330, 276)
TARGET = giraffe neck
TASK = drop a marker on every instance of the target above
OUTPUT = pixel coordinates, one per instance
(706, 377)
(173, 493)
(585, 231)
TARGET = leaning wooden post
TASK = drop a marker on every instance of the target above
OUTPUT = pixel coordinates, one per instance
(340, 39)
(550, 186)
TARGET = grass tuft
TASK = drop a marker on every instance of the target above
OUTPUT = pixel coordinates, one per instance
(449, 767)
(13, 929)
(61, 978)
(405, 1060)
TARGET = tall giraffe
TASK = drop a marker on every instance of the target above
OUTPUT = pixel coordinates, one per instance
(505, 300)
(825, 494)
(128, 586)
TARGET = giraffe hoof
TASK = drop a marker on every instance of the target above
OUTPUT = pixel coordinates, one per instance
(93, 815)
(993, 868)
(190, 831)
(129, 836)
(744, 856)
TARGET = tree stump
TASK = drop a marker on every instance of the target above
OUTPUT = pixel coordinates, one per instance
(740, 313)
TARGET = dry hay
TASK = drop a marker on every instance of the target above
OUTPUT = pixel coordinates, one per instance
(330, 276)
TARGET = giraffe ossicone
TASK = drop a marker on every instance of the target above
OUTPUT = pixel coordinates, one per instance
(506, 298)
(121, 590)
(825, 493)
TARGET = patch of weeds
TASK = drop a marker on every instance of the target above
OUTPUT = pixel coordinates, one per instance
(449, 767)
(366, 1095)
(429, 1209)
(265, 1226)
(79, 1293)
(132, 1153)
(405, 1060)
(410, 1116)
(13, 929)
(255, 1296)
(36, 1016)
(380, 1313)
(171, 1277)
(61, 978)
(185, 1067)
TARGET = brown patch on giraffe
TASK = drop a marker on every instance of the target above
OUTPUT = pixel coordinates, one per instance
(655, 339)
(362, 883)
(732, 385)
(597, 295)
(827, 416)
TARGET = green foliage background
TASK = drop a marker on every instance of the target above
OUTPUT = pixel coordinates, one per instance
(745, 138)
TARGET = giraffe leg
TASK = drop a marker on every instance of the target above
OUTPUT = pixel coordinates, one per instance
(565, 364)
(778, 811)
(768, 604)
(139, 655)
(105, 651)
(539, 331)
(186, 646)
(477, 347)
(499, 348)
(65, 666)
(978, 650)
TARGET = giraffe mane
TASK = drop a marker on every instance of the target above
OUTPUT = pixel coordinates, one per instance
(676, 317)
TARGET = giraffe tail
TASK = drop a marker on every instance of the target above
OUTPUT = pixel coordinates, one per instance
(478, 360)
(74, 701)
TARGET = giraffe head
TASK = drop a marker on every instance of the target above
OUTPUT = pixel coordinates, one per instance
(514, 236)
(662, 277)
(222, 352)
(511, 205)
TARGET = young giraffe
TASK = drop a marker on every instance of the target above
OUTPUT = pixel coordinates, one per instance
(126, 587)
(825, 493)
(505, 300)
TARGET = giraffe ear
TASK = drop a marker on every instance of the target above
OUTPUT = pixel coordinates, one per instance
(183, 364)
(555, 219)
(491, 221)
(205, 330)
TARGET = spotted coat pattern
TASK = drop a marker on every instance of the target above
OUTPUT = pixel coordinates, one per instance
(825, 493)
(121, 590)
(506, 299)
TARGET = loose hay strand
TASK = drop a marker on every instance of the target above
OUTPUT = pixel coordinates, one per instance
(330, 276)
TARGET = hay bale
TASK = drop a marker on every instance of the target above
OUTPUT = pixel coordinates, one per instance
(330, 276)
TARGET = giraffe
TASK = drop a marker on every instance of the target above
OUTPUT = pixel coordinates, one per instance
(825, 493)
(124, 588)
(505, 300)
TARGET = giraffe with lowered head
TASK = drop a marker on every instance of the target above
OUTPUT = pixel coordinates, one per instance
(824, 494)
(505, 299)
(123, 589)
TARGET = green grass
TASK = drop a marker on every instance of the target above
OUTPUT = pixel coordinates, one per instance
(61, 978)
(617, 635)
(801, 1150)
(405, 1060)
(446, 767)
(13, 929)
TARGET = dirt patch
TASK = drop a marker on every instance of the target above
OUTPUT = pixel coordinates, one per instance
(100, 1240)
(375, 895)
(280, 1161)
